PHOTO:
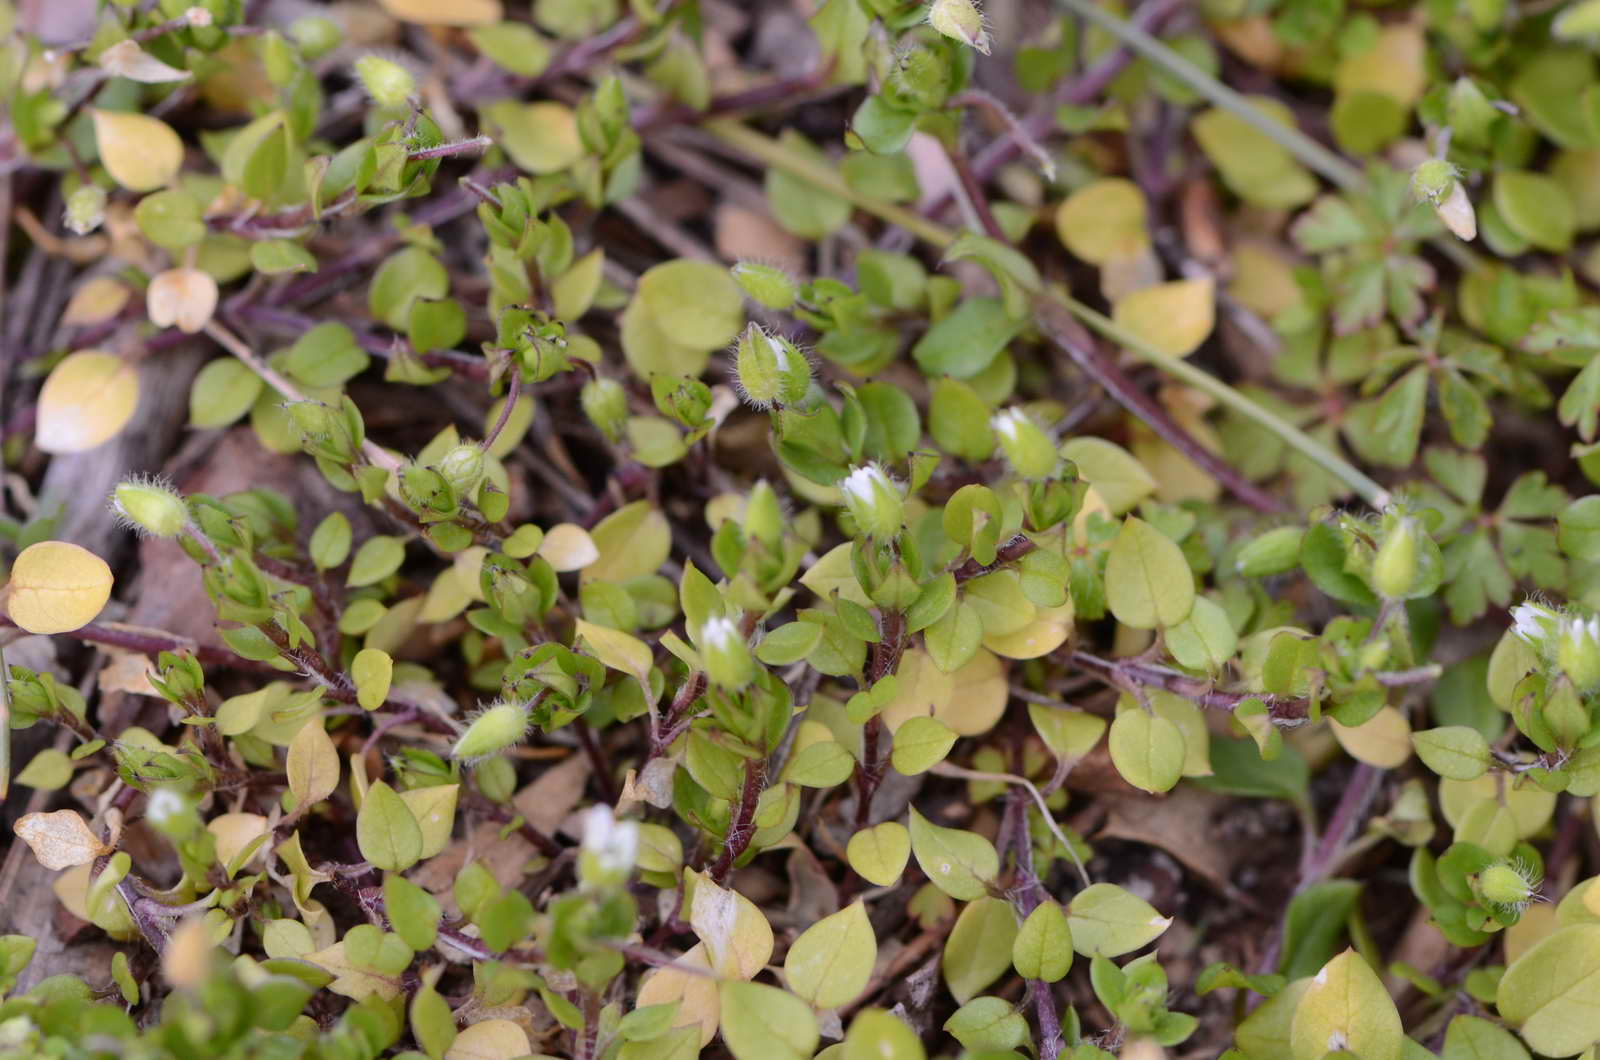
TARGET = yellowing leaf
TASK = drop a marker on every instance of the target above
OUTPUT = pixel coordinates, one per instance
(1384, 740)
(737, 937)
(568, 547)
(434, 809)
(831, 962)
(446, 13)
(351, 980)
(1395, 66)
(618, 650)
(373, 670)
(1551, 994)
(1346, 1007)
(761, 1022)
(1148, 582)
(237, 834)
(694, 990)
(1047, 631)
(958, 862)
(88, 399)
(539, 137)
(979, 948)
(140, 152)
(57, 587)
(1104, 221)
(1174, 318)
(59, 840)
(97, 299)
(186, 962)
(879, 854)
(312, 764)
(1108, 921)
(633, 541)
(495, 1039)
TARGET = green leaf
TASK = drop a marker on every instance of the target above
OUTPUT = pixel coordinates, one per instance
(1386, 429)
(879, 854)
(1578, 528)
(979, 948)
(789, 643)
(797, 205)
(964, 343)
(989, 1025)
(1043, 948)
(1551, 993)
(48, 770)
(820, 765)
(1455, 751)
(433, 1024)
(1107, 921)
(223, 391)
(695, 302)
(1313, 925)
(1535, 207)
(275, 256)
(1473, 1038)
(1068, 733)
(878, 1035)
(413, 911)
(765, 1023)
(959, 863)
(920, 744)
(1120, 479)
(958, 419)
(831, 962)
(330, 541)
(386, 832)
(1148, 582)
(372, 669)
(376, 559)
(1147, 749)
(1346, 1007)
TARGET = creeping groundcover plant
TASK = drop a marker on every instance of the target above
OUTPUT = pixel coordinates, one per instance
(864, 529)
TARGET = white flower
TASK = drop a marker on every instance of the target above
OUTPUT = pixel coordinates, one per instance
(1008, 423)
(613, 843)
(163, 805)
(874, 502)
(1534, 623)
(719, 632)
(862, 483)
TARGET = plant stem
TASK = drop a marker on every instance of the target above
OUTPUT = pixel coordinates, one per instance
(772, 153)
(743, 827)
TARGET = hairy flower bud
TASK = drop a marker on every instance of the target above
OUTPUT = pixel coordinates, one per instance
(960, 20)
(726, 653)
(608, 849)
(150, 506)
(1396, 566)
(1274, 552)
(1028, 449)
(1432, 180)
(874, 502)
(497, 727)
(770, 370)
(1578, 652)
(387, 82)
(605, 402)
(767, 284)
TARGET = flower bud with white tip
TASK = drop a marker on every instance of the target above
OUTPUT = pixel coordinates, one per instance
(767, 284)
(1578, 652)
(86, 209)
(1438, 182)
(608, 849)
(1028, 449)
(1509, 884)
(499, 726)
(386, 81)
(150, 506)
(960, 20)
(874, 502)
(769, 369)
(726, 653)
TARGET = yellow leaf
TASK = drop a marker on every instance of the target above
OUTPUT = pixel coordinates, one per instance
(737, 937)
(184, 296)
(186, 962)
(57, 587)
(969, 701)
(140, 152)
(1346, 1007)
(689, 982)
(313, 764)
(618, 650)
(495, 1039)
(97, 299)
(539, 137)
(350, 980)
(1384, 740)
(445, 12)
(1395, 66)
(59, 840)
(1104, 221)
(235, 832)
(89, 397)
(1175, 318)
(568, 547)
(1047, 631)
(435, 811)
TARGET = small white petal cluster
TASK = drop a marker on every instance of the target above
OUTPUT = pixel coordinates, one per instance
(720, 633)
(614, 844)
(1008, 423)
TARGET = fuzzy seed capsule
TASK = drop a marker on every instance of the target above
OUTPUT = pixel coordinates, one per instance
(770, 369)
(1274, 552)
(498, 727)
(1395, 567)
(1432, 180)
(151, 507)
(960, 20)
(1504, 885)
(462, 467)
